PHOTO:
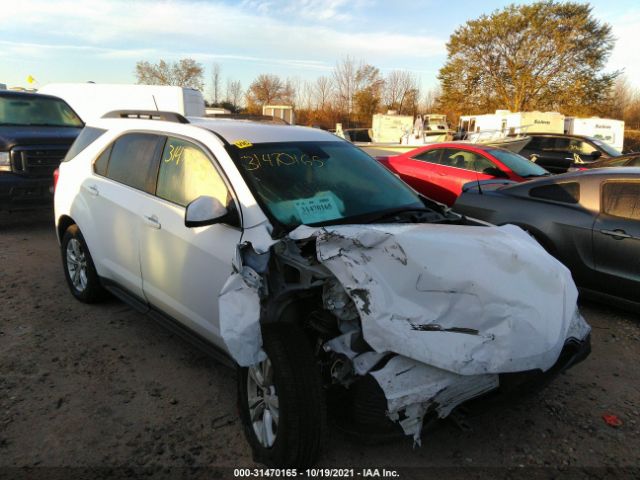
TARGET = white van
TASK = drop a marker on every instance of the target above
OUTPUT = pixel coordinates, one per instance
(93, 100)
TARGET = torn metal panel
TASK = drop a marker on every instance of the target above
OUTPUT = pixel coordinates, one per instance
(413, 389)
(469, 300)
(239, 301)
(239, 305)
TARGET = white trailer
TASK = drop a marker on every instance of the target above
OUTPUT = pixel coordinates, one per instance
(514, 122)
(536, 122)
(93, 100)
(606, 129)
(390, 127)
(484, 122)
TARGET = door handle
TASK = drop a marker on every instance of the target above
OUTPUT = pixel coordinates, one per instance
(152, 221)
(93, 190)
(617, 234)
(442, 174)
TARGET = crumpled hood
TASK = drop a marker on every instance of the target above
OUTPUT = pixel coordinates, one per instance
(470, 300)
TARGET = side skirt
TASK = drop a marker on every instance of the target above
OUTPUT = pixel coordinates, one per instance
(170, 323)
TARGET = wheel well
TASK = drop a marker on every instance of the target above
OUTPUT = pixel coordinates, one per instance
(64, 222)
(540, 237)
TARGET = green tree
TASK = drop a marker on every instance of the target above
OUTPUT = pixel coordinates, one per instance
(547, 55)
(186, 72)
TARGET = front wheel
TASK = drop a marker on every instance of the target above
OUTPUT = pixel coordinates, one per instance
(281, 401)
(79, 270)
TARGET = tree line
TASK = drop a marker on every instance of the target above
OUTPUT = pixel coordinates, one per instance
(543, 56)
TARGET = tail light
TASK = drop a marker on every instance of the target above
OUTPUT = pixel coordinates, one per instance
(56, 174)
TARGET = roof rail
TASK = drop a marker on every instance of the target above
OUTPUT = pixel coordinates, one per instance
(147, 115)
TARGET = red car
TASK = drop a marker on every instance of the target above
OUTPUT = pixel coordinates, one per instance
(440, 170)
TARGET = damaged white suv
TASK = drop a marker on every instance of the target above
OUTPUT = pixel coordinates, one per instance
(329, 283)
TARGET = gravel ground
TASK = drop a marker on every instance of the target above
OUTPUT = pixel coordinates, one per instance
(104, 388)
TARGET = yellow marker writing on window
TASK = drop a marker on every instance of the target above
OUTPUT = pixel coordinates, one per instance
(243, 143)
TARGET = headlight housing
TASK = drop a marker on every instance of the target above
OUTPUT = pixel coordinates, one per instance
(5, 162)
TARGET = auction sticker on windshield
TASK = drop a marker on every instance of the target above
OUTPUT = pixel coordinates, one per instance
(317, 209)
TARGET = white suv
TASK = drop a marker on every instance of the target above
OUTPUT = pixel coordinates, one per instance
(302, 261)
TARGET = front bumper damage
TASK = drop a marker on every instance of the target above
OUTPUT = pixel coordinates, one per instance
(436, 314)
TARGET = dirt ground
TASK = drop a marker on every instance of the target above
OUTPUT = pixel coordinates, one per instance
(102, 387)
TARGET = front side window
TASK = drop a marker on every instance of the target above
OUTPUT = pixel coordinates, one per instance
(134, 160)
(186, 173)
(568, 192)
(320, 182)
(464, 159)
(38, 111)
(606, 148)
(621, 199)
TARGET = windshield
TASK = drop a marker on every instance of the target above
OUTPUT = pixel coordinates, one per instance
(34, 111)
(317, 183)
(518, 164)
(608, 149)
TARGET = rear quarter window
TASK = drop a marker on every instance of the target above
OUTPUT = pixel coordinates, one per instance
(568, 192)
(87, 136)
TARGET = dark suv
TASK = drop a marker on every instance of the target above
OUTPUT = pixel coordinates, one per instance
(557, 152)
(36, 132)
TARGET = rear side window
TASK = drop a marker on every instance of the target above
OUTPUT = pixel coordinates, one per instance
(621, 199)
(568, 192)
(186, 173)
(87, 136)
(134, 160)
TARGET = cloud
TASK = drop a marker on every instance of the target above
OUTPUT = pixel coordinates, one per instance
(295, 33)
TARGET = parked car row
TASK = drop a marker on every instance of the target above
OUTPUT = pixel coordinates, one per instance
(298, 259)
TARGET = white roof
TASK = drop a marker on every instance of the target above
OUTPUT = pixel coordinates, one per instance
(234, 130)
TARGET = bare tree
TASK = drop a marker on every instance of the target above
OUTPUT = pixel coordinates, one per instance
(344, 78)
(234, 93)
(400, 87)
(186, 72)
(215, 83)
(323, 91)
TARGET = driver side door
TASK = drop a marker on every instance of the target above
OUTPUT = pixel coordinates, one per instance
(184, 269)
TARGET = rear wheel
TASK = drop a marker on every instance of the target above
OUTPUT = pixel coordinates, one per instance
(79, 269)
(281, 400)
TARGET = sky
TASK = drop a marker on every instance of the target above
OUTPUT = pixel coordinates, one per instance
(101, 40)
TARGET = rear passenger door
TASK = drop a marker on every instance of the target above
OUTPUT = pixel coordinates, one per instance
(124, 177)
(184, 269)
(617, 238)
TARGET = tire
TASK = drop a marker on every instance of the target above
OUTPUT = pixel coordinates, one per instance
(79, 270)
(293, 378)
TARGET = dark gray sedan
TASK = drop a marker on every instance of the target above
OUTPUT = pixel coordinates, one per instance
(589, 220)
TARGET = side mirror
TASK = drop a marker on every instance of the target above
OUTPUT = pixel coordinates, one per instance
(596, 154)
(495, 172)
(205, 211)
